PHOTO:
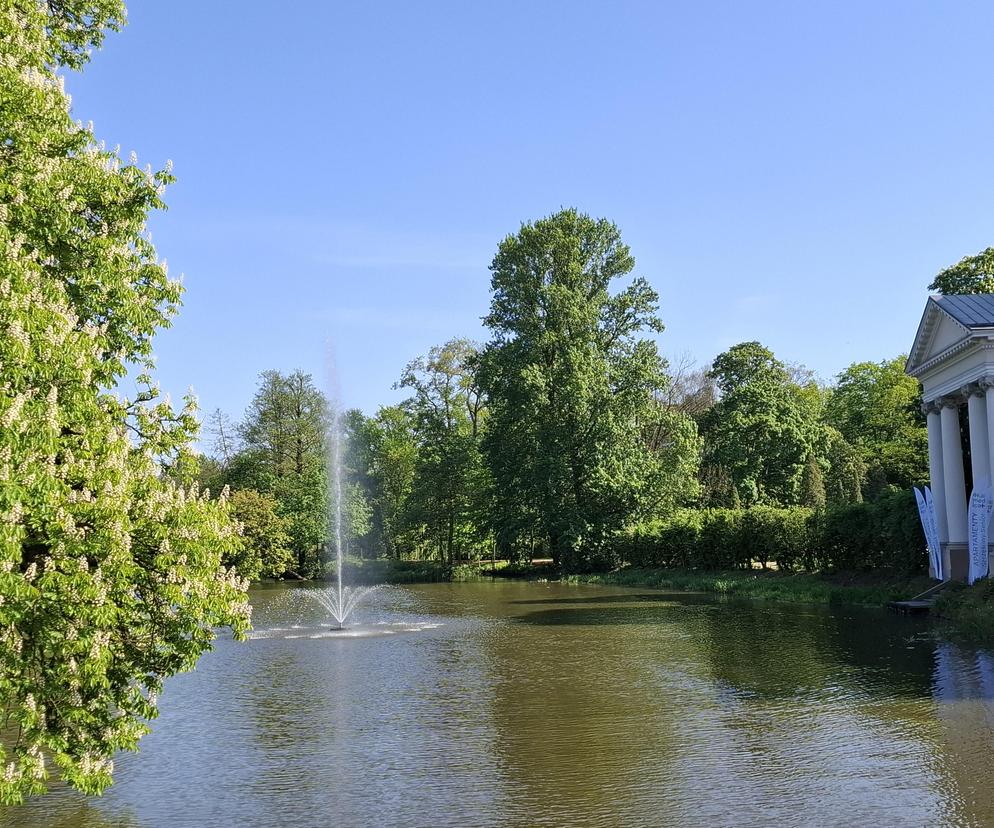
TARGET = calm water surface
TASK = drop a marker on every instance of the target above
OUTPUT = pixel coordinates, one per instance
(519, 704)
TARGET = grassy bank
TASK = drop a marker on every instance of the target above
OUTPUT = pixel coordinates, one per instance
(873, 589)
(968, 610)
(867, 588)
(391, 571)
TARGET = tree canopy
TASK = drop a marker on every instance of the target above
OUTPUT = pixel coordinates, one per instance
(571, 384)
(449, 473)
(971, 274)
(281, 451)
(876, 407)
(764, 427)
(110, 561)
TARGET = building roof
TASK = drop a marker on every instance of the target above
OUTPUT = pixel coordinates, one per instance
(971, 311)
(968, 318)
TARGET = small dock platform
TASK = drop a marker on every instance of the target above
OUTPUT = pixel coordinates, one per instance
(920, 604)
(911, 607)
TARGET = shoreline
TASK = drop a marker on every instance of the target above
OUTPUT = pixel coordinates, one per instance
(961, 610)
(864, 588)
(860, 589)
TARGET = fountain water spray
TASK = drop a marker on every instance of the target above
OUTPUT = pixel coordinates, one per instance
(338, 600)
(336, 476)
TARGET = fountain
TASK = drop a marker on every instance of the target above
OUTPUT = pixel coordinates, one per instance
(338, 600)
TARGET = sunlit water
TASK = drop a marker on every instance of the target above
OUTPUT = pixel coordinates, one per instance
(546, 705)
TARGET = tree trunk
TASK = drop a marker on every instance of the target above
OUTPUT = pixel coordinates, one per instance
(449, 541)
(554, 547)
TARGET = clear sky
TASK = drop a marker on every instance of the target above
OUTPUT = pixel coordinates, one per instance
(789, 172)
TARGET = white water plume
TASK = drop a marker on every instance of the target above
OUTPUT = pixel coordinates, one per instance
(338, 600)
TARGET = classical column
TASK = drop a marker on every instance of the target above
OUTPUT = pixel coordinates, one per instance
(987, 383)
(980, 451)
(935, 473)
(952, 469)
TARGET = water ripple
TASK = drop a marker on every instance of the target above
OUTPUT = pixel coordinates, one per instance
(546, 705)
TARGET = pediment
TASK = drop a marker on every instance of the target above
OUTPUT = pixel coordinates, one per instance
(937, 333)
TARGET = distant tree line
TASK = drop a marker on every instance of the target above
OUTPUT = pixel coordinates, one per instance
(562, 432)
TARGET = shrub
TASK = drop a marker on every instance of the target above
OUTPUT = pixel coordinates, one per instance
(883, 534)
(671, 544)
(264, 550)
(778, 535)
(720, 545)
(904, 541)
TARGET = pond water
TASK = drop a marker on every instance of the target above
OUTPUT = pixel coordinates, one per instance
(523, 704)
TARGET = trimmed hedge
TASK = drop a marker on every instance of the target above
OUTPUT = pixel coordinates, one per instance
(882, 534)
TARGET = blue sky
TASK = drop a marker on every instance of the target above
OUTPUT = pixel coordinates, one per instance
(789, 172)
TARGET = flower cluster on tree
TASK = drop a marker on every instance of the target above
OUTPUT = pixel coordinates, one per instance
(110, 558)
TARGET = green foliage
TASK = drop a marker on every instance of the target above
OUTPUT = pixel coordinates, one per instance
(393, 571)
(876, 408)
(571, 386)
(717, 488)
(971, 274)
(812, 483)
(357, 514)
(265, 549)
(775, 535)
(969, 609)
(286, 424)
(767, 585)
(284, 455)
(72, 27)
(846, 470)
(746, 363)
(881, 535)
(763, 428)
(382, 458)
(110, 562)
(719, 542)
(676, 446)
(450, 477)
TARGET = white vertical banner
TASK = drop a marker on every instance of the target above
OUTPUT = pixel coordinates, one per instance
(926, 512)
(978, 522)
(934, 541)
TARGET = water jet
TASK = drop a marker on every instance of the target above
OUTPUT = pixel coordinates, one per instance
(338, 600)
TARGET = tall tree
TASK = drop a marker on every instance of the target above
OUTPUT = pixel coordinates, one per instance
(110, 566)
(286, 423)
(449, 409)
(812, 483)
(223, 432)
(358, 462)
(971, 274)
(690, 389)
(673, 439)
(284, 437)
(763, 428)
(877, 409)
(846, 469)
(570, 382)
(384, 455)
(216, 470)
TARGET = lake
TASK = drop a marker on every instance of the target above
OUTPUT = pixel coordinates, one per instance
(533, 704)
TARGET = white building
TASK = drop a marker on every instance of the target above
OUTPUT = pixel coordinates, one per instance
(953, 358)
